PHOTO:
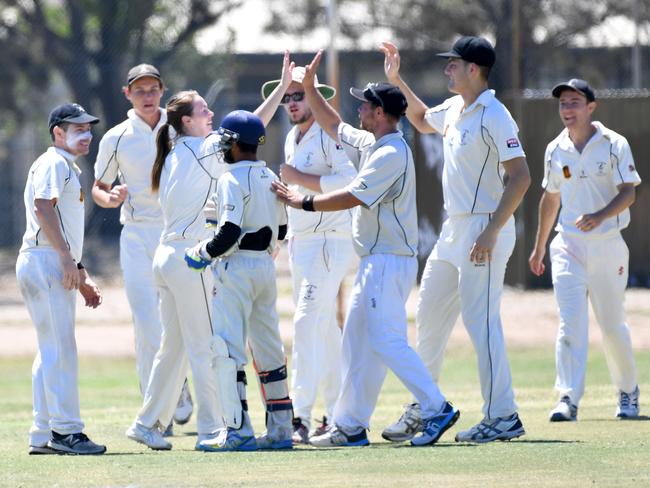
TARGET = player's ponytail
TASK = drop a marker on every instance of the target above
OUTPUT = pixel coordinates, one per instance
(178, 105)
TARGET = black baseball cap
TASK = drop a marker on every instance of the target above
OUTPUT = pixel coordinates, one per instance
(577, 85)
(477, 50)
(142, 71)
(384, 95)
(71, 113)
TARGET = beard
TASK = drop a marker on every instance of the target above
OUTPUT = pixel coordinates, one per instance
(227, 157)
(305, 117)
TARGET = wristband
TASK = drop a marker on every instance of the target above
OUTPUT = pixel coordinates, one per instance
(80, 266)
(308, 203)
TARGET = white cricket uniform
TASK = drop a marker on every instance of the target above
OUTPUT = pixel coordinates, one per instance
(385, 231)
(245, 298)
(590, 265)
(476, 141)
(320, 255)
(188, 179)
(54, 175)
(127, 151)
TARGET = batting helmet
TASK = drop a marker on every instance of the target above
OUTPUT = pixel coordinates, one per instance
(241, 126)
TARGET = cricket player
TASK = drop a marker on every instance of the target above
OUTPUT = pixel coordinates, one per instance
(49, 273)
(250, 222)
(385, 237)
(590, 179)
(320, 255)
(127, 152)
(465, 271)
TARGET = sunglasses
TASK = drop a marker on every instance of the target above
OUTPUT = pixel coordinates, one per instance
(376, 99)
(296, 97)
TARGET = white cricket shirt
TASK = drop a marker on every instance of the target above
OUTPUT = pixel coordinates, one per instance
(188, 179)
(318, 154)
(588, 181)
(476, 141)
(244, 198)
(128, 151)
(387, 222)
(55, 175)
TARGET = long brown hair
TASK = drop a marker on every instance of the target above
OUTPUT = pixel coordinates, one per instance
(178, 105)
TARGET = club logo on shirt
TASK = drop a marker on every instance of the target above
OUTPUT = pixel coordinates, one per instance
(463, 137)
(308, 160)
(601, 168)
(512, 142)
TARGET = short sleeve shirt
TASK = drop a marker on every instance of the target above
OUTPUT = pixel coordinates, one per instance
(319, 154)
(476, 140)
(386, 223)
(244, 198)
(587, 181)
(127, 152)
(55, 175)
(189, 177)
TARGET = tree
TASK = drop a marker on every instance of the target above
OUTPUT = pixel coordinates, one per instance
(92, 43)
(433, 24)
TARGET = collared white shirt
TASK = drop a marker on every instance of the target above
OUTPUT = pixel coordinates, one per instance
(318, 154)
(244, 198)
(188, 179)
(588, 180)
(475, 140)
(127, 151)
(387, 221)
(55, 175)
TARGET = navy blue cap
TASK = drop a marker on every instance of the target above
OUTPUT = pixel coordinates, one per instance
(477, 50)
(72, 113)
(243, 126)
(384, 95)
(577, 85)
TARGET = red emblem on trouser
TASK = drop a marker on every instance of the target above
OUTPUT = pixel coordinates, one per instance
(621, 270)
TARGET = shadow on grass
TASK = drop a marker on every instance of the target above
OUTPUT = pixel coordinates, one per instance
(640, 418)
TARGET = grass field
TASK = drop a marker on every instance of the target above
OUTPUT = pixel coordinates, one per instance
(596, 451)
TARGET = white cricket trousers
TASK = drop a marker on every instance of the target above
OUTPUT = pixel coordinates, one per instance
(375, 339)
(594, 270)
(138, 243)
(452, 284)
(55, 393)
(245, 309)
(185, 311)
(319, 263)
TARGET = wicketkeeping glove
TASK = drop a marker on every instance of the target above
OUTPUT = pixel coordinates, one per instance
(197, 258)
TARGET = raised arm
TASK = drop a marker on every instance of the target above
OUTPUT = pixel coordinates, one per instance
(267, 108)
(323, 112)
(416, 108)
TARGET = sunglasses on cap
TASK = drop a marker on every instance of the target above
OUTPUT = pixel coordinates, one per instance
(296, 97)
(371, 95)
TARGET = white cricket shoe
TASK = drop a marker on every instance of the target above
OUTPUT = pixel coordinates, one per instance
(488, 430)
(565, 411)
(628, 404)
(337, 438)
(227, 441)
(436, 425)
(150, 437)
(185, 406)
(409, 424)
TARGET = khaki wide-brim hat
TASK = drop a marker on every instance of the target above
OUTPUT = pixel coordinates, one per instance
(298, 75)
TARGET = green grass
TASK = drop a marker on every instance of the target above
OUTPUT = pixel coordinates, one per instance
(597, 450)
